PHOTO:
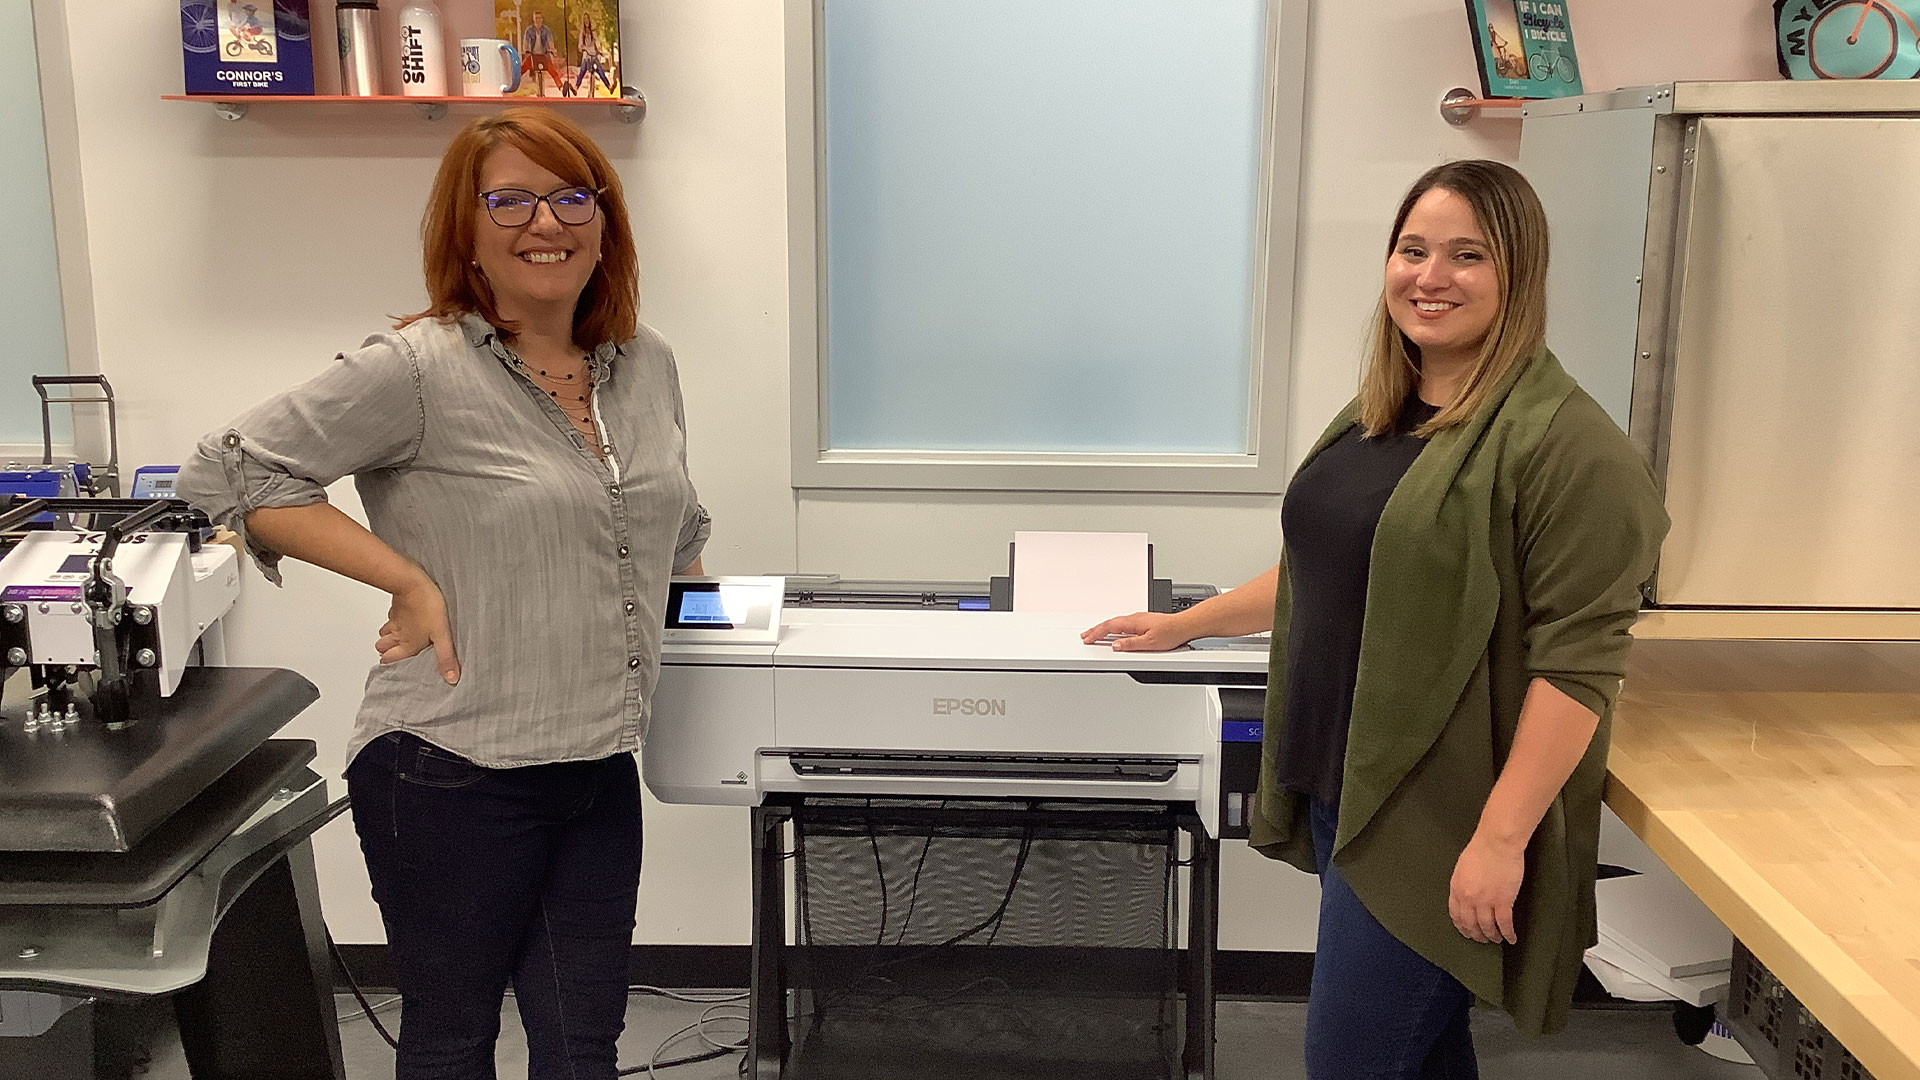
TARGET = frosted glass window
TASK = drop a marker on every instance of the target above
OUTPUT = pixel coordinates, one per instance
(30, 274)
(1041, 224)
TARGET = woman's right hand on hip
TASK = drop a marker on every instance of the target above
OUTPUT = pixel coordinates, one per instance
(417, 621)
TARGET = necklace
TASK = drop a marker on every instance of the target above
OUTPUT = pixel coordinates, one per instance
(571, 391)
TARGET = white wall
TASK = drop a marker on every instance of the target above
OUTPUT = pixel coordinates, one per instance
(231, 259)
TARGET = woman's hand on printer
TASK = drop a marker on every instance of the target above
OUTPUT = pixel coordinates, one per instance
(1142, 631)
(416, 622)
(1247, 609)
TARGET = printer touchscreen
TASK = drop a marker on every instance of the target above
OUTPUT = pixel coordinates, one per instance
(741, 610)
(705, 604)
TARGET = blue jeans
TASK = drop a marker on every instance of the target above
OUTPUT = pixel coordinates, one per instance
(490, 876)
(1377, 1009)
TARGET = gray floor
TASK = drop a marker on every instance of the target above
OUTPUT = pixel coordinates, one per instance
(1257, 1041)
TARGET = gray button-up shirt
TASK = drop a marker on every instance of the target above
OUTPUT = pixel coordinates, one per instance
(553, 562)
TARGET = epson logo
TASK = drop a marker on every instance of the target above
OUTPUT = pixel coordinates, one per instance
(946, 706)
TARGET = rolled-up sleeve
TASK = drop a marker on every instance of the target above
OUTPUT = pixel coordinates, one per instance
(363, 412)
(693, 537)
(1590, 525)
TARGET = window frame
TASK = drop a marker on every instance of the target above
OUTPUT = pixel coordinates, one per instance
(1259, 470)
(59, 113)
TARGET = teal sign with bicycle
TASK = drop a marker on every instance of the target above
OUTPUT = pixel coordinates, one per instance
(246, 46)
(1525, 48)
(1848, 39)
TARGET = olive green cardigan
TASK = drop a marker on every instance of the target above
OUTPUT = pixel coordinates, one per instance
(1514, 548)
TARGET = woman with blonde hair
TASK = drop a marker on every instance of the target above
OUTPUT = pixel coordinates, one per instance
(1463, 554)
(519, 447)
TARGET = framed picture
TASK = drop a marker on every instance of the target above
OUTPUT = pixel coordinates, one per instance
(1524, 48)
(568, 48)
(246, 46)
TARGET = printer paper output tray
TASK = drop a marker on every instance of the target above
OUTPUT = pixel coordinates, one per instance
(907, 766)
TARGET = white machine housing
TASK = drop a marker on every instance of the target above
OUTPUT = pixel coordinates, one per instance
(939, 703)
(186, 591)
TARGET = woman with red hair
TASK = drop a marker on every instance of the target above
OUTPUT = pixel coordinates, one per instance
(519, 448)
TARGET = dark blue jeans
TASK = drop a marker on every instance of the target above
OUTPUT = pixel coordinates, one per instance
(490, 876)
(1377, 1010)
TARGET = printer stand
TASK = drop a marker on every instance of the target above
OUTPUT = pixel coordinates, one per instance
(779, 968)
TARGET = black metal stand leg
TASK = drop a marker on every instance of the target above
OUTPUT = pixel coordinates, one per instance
(767, 1038)
(266, 1005)
(1203, 934)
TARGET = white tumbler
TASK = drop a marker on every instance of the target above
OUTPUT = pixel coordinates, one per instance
(423, 51)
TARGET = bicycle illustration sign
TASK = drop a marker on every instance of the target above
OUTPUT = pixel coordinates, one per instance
(1525, 48)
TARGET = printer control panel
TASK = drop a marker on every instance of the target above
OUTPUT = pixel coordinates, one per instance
(719, 610)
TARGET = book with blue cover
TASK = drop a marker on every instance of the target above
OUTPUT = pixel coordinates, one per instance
(1525, 48)
(241, 47)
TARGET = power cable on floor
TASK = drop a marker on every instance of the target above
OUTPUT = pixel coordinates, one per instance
(699, 1027)
(354, 988)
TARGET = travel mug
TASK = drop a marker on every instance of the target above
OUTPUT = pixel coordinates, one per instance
(359, 47)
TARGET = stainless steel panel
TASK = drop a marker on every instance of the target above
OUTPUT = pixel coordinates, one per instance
(1594, 174)
(1793, 469)
(1772, 97)
(1668, 216)
(1776, 624)
(1784, 97)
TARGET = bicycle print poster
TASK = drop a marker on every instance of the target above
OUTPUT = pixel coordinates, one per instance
(1524, 47)
(568, 48)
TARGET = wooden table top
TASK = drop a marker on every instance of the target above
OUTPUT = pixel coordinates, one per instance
(1781, 781)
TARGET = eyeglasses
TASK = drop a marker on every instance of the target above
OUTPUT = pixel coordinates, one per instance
(510, 208)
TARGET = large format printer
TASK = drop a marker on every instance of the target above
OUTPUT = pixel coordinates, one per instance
(770, 699)
(892, 731)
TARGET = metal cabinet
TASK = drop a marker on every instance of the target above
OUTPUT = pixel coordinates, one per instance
(1734, 279)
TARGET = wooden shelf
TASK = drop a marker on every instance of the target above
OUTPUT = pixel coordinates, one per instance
(630, 110)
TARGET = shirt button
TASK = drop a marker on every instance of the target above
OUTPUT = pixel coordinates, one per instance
(606, 448)
(623, 551)
(633, 663)
(613, 490)
(629, 607)
(230, 440)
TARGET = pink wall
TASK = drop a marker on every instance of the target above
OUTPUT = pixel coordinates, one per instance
(1637, 42)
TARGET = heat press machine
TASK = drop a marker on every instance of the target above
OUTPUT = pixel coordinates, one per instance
(153, 832)
(106, 620)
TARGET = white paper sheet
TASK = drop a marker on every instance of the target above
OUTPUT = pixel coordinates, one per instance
(1094, 573)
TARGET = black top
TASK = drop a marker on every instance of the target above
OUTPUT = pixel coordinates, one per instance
(1328, 519)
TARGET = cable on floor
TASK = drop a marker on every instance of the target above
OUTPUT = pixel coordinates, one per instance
(716, 1049)
(358, 995)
